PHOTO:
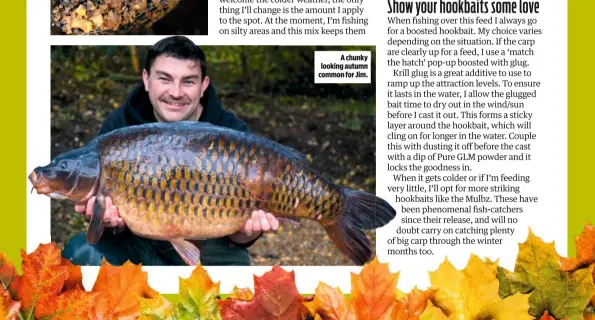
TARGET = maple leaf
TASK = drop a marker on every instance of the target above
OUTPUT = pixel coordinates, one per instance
(472, 293)
(585, 252)
(120, 289)
(198, 297)
(159, 308)
(9, 278)
(43, 278)
(275, 297)
(432, 313)
(73, 304)
(374, 291)
(75, 276)
(241, 294)
(330, 303)
(538, 271)
(412, 305)
(9, 309)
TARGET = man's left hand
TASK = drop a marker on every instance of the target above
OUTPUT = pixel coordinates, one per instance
(260, 222)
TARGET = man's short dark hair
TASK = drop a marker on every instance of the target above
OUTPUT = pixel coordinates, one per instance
(178, 47)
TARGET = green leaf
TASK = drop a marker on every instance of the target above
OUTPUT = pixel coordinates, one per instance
(198, 297)
(537, 270)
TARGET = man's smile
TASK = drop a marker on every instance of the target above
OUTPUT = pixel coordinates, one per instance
(175, 105)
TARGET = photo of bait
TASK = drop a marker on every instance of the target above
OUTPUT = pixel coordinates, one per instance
(194, 181)
(107, 16)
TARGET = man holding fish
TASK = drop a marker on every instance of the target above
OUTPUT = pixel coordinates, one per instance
(175, 88)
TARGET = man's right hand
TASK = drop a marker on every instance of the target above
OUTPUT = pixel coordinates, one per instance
(111, 218)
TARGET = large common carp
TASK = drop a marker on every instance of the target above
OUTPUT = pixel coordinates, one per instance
(193, 180)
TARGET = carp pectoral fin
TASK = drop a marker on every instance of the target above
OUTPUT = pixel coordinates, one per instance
(189, 252)
(96, 226)
(295, 222)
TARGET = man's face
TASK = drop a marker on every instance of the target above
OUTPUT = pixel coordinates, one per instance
(175, 88)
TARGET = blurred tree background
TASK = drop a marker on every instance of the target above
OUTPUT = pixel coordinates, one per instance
(270, 87)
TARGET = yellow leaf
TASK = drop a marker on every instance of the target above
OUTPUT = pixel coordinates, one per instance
(156, 308)
(432, 313)
(241, 294)
(198, 296)
(81, 11)
(472, 293)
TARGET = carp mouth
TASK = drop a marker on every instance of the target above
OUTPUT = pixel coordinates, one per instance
(41, 186)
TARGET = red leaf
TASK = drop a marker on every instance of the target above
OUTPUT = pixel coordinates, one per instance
(275, 297)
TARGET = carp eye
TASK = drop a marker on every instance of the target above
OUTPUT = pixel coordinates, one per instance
(63, 165)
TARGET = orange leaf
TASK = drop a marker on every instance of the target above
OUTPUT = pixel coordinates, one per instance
(75, 277)
(241, 294)
(275, 297)
(120, 289)
(585, 253)
(330, 303)
(43, 278)
(9, 277)
(73, 304)
(9, 309)
(374, 291)
(412, 305)
(585, 250)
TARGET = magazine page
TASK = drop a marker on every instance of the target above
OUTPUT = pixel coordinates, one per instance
(300, 159)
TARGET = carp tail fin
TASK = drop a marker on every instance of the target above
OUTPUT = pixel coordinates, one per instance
(351, 241)
(95, 230)
(361, 210)
(367, 211)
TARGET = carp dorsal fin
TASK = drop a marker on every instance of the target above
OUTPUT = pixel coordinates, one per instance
(266, 143)
(199, 127)
(291, 153)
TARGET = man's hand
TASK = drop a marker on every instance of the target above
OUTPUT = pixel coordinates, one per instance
(111, 218)
(260, 222)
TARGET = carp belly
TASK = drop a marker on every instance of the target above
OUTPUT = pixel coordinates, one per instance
(165, 226)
